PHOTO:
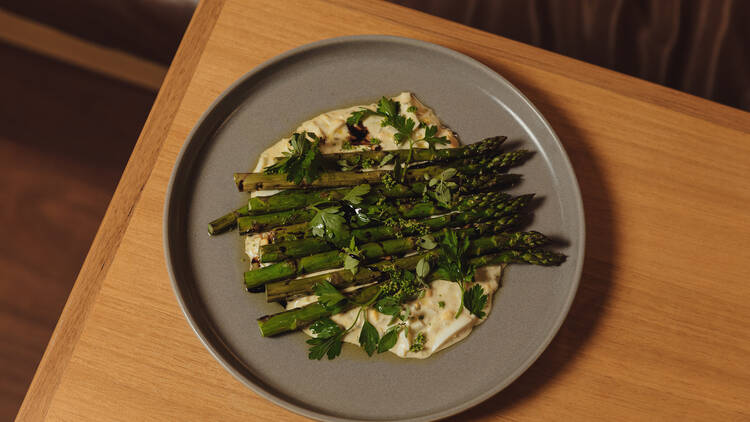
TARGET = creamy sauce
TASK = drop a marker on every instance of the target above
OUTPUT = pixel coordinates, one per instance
(426, 315)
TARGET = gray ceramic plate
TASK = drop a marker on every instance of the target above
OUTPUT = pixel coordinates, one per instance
(268, 103)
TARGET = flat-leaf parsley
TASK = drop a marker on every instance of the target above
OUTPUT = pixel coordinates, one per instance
(303, 162)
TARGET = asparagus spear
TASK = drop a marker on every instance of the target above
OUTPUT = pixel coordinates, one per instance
(265, 222)
(295, 199)
(291, 232)
(293, 319)
(380, 212)
(280, 203)
(472, 178)
(271, 325)
(286, 289)
(296, 248)
(299, 231)
(353, 159)
(302, 198)
(227, 221)
(247, 182)
(370, 251)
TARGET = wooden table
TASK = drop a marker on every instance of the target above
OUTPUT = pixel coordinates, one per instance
(659, 329)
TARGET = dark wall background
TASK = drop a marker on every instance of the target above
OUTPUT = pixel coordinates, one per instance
(698, 46)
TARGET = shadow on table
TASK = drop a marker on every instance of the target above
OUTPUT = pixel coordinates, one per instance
(596, 281)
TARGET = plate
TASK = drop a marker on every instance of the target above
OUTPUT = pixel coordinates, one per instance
(267, 104)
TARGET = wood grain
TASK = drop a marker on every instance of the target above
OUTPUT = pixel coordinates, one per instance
(56, 181)
(657, 331)
(141, 163)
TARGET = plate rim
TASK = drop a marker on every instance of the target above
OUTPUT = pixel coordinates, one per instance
(170, 202)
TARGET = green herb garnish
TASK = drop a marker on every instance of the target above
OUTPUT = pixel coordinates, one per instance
(442, 186)
(368, 163)
(388, 306)
(409, 227)
(402, 285)
(369, 337)
(404, 126)
(427, 242)
(353, 256)
(389, 110)
(388, 158)
(390, 338)
(328, 295)
(303, 162)
(356, 193)
(329, 223)
(356, 117)
(453, 265)
(475, 299)
(431, 139)
(328, 340)
(418, 344)
(423, 268)
(388, 181)
(329, 335)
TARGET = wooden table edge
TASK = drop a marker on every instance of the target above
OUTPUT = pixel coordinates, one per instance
(105, 245)
(107, 240)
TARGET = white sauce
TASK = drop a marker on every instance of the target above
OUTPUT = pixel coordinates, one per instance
(439, 325)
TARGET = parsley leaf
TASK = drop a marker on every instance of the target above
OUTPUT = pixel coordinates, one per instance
(404, 126)
(328, 223)
(389, 339)
(304, 161)
(351, 263)
(330, 346)
(330, 336)
(475, 299)
(352, 256)
(386, 159)
(356, 117)
(388, 107)
(399, 170)
(356, 193)
(432, 140)
(328, 296)
(427, 242)
(328, 341)
(369, 337)
(453, 263)
(389, 110)
(442, 187)
(388, 306)
(325, 328)
(423, 268)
